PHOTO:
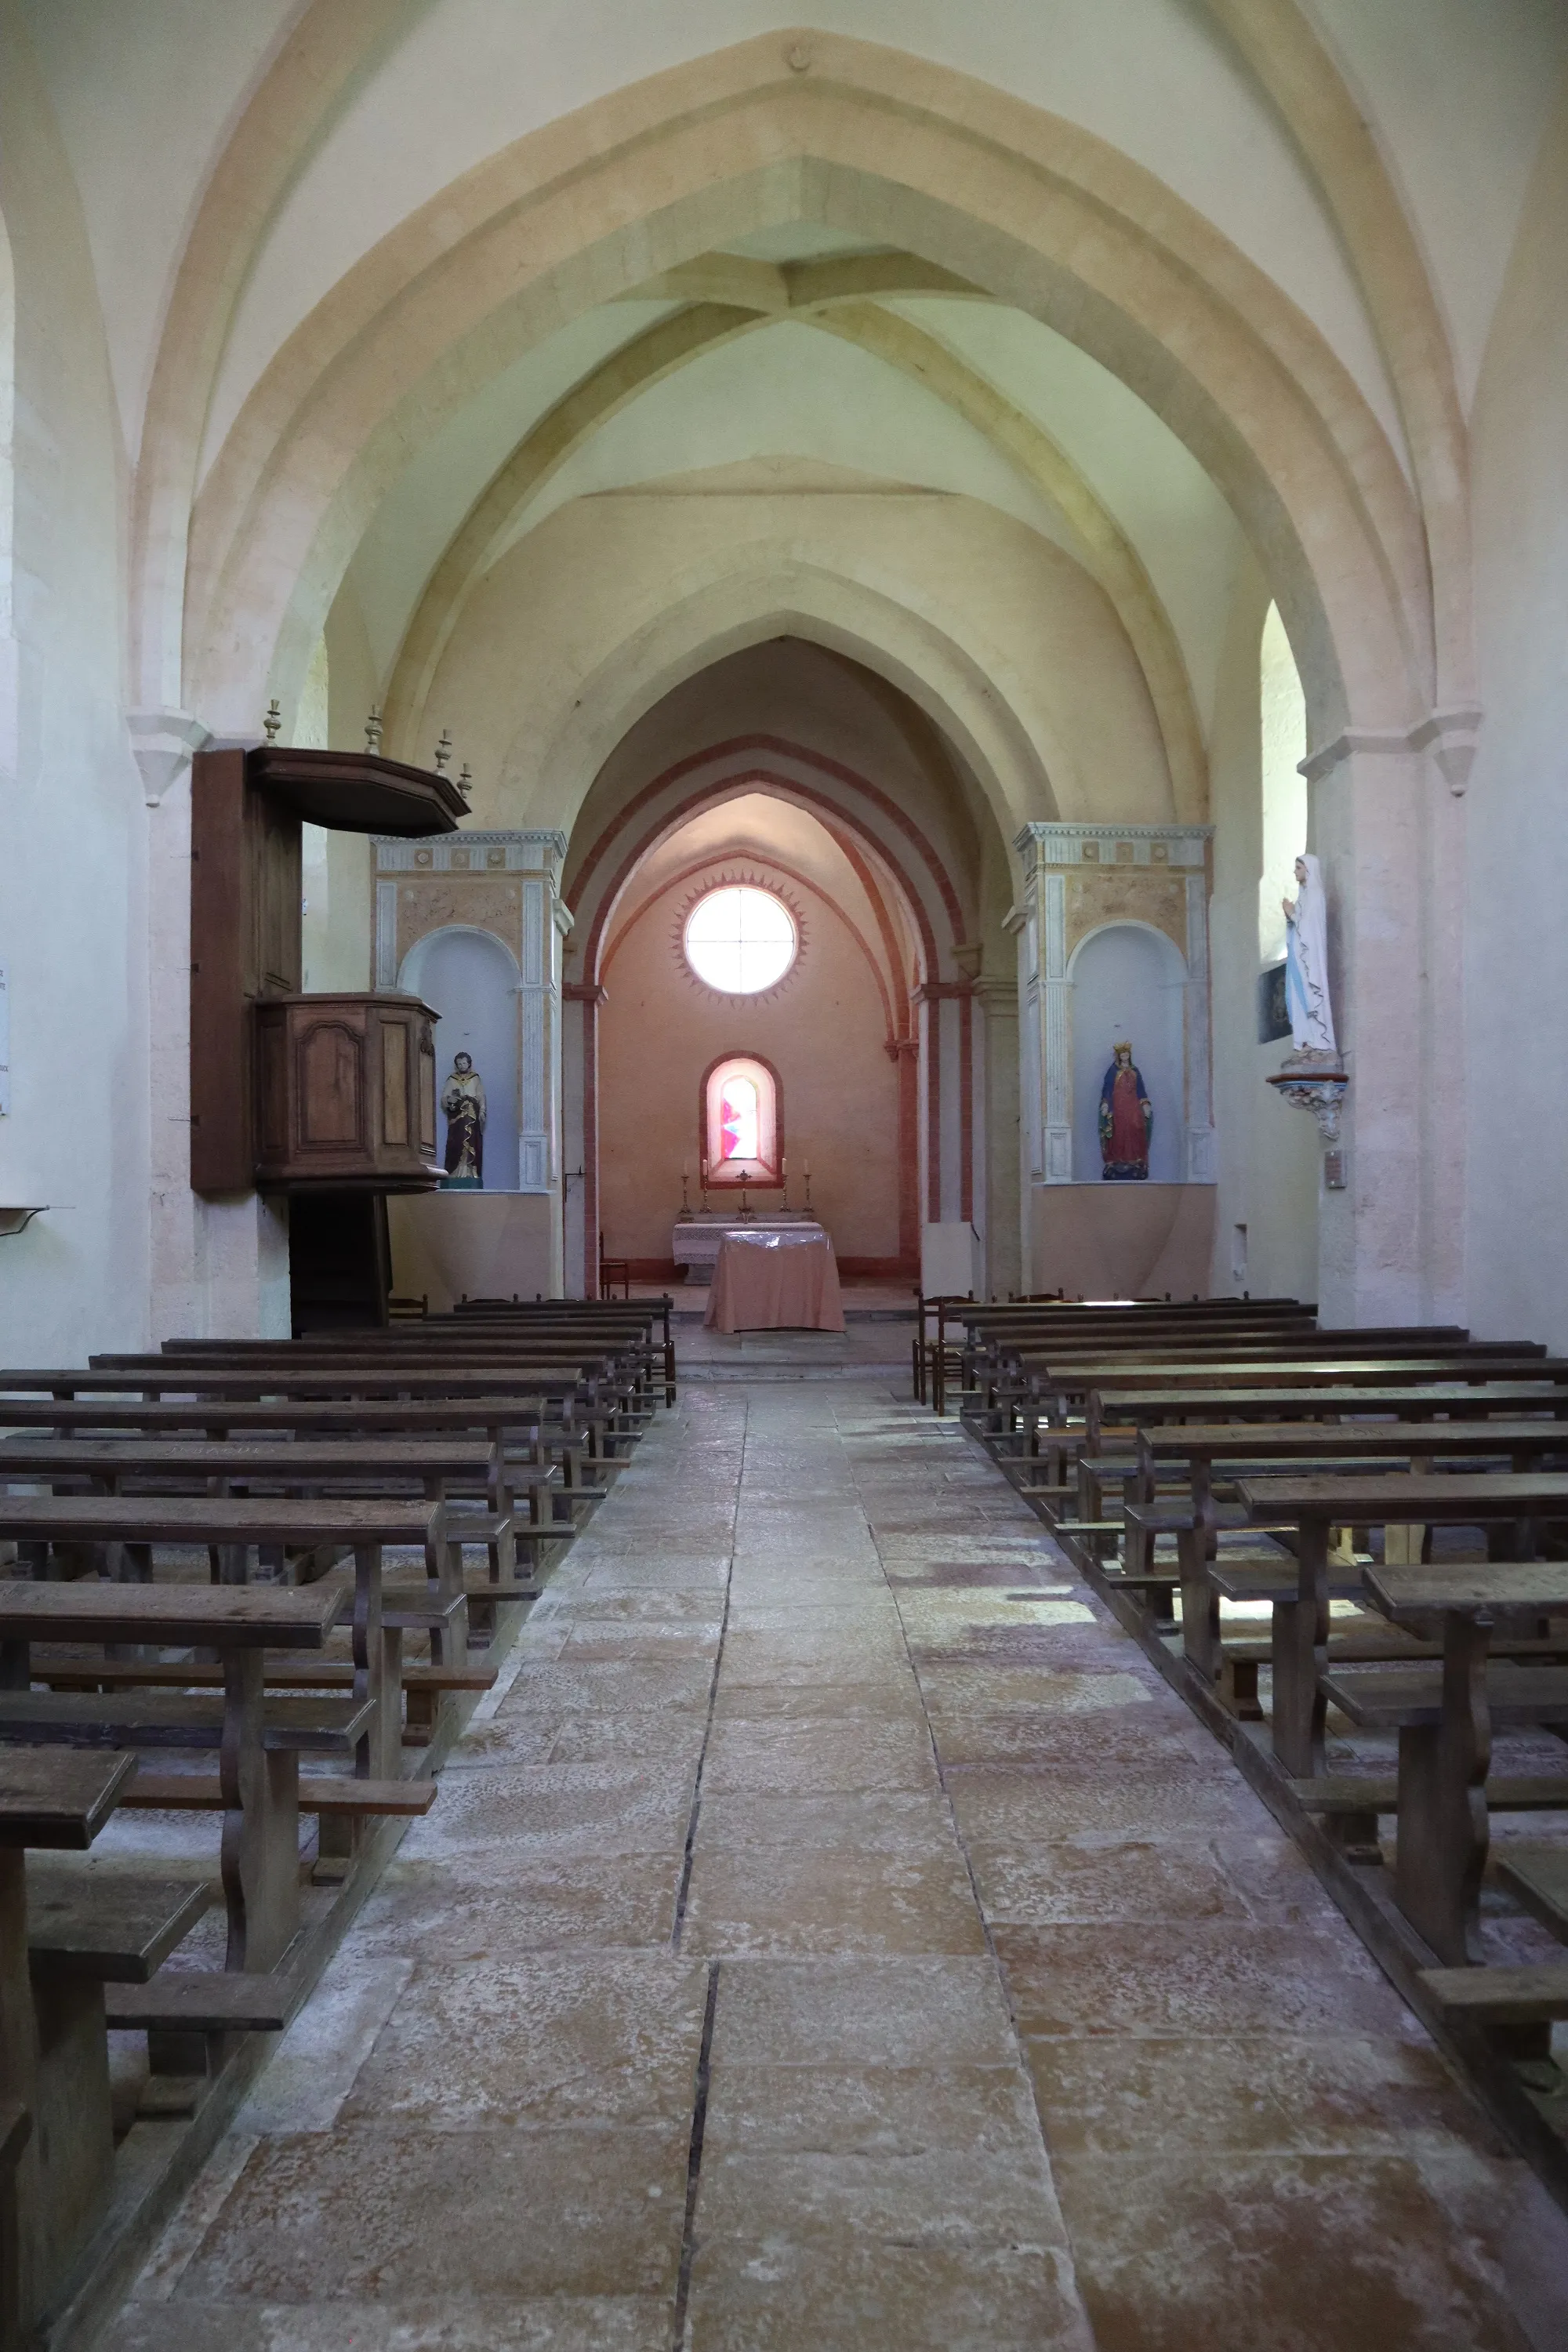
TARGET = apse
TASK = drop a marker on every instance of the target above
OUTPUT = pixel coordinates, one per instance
(754, 984)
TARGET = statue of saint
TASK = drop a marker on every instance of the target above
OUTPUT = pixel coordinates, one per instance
(1126, 1121)
(463, 1100)
(1307, 966)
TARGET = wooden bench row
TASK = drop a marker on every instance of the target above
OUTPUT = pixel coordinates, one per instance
(308, 1473)
(1254, 1459)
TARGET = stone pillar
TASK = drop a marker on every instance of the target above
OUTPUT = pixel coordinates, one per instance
(946, 1100)
(1388, 824)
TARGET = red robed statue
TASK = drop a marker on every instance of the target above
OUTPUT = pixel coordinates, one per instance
(1126, 1121)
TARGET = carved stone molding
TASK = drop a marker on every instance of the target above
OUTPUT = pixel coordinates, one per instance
(163, 744)
(1449, 735)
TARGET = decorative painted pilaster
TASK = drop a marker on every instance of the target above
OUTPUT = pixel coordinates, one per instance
(580, 1003)
(994, 1008)
(1161, 878)
(1055, 1037)
(532, 863)
(1201, 1167)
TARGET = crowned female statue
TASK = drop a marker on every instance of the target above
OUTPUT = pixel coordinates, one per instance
(1307, 966)
(1126, 1121)
(463, 1100)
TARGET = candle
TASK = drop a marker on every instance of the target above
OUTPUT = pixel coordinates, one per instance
(808, 1167)
(783, 1167)
(685, 1170)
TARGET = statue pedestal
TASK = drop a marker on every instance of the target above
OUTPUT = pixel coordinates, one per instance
(465, 1243)
(1123, 1241)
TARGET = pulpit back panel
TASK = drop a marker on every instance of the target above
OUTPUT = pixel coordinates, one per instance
(245, 945)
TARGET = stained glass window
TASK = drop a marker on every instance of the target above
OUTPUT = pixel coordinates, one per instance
(740, 939)
(738, 1120)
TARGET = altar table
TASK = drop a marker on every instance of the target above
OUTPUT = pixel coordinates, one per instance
(776, 1281)
(695, 1244)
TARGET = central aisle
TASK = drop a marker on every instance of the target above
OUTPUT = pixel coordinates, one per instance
(834, 1935)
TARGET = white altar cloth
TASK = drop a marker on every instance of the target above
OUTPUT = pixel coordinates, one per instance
(696, 1240)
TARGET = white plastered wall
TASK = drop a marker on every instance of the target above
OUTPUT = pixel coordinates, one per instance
(1268, 1150)
(73, 875)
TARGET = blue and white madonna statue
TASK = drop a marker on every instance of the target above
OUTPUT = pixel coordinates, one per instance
(1307, 967)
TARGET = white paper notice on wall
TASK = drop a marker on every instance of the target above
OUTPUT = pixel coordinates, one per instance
(4, 1044)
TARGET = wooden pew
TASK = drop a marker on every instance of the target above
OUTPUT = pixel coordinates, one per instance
(1445, 1720)
(1053, 1393)
(437, 1466)
(57, 2127)
(1193, 1450)
(1102, 1446)
(230, 1527)
(1299, 1646)
(258, 1741)
(549, 1397)
(1004, 1363)
(15, 2131)
(521, 1435)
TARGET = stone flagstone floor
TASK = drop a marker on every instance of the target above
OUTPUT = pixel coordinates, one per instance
(832, 1933)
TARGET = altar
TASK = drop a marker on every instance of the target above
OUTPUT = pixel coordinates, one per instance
(786, 1279)
(695, 1245)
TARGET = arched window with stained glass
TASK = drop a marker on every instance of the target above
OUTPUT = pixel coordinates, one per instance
(741, 1122)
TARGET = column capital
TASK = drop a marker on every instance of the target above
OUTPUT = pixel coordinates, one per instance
(1449, 735)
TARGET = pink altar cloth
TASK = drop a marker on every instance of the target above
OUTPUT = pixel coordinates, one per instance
(772, 1282)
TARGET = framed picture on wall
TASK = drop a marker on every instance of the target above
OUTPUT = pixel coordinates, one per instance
(1273, 1020)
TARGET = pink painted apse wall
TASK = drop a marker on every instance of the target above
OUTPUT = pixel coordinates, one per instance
(823, 1030)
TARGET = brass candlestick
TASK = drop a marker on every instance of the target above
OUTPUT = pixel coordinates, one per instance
(705, 1188)
(685, 1204)
(809, 1191)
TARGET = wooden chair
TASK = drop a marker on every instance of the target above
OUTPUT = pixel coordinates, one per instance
(940, 1360)
(612, 1270)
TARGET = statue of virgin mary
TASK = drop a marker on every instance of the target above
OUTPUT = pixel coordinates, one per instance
(1307, 965)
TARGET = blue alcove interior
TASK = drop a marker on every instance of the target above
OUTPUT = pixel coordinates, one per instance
(470, 979)
(1130, 982)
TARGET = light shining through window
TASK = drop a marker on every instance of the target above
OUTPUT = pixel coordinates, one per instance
(740, 941)
(739, 1123)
